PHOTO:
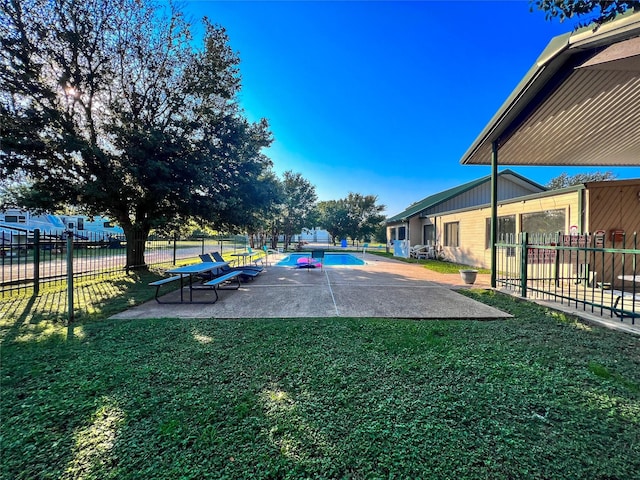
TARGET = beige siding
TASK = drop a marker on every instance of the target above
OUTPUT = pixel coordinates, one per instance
(472, 224)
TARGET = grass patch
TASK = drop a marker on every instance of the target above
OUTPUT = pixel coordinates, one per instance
(538, 396)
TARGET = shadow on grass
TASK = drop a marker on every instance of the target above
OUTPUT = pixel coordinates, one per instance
(32, 318)
(320, 398)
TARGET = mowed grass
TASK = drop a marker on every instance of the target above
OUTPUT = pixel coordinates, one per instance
(539, 396)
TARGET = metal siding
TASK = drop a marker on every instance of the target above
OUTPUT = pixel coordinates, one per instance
(614, 207)
(481, 195)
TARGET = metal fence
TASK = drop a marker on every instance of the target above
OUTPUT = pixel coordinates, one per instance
(597, 272)
(31, 259)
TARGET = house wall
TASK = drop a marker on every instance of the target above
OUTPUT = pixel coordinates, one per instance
(472, 225)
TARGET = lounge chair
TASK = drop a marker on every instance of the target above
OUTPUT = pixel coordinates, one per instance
(248, 272)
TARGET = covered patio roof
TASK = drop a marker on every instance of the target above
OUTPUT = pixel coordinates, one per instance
(579, 105)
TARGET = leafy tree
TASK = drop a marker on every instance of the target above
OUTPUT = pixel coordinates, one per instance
(333, 215)
(106, 104)
(296, 210)
(258, 222)
(564, 180)
(366, 215)
(356, 216)
(593, 11)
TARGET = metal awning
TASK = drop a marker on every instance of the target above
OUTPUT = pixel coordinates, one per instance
(579, 105)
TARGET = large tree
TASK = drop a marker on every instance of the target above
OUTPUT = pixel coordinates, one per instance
(107, 104)
(333, 216)
(357, 216)
(297, 208)
(589, 11)
(366, 215)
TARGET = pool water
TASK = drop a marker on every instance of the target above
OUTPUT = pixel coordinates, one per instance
(330, 259)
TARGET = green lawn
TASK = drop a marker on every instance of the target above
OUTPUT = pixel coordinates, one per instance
(539, 396)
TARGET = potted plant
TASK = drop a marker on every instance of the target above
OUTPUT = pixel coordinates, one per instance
(468, 276)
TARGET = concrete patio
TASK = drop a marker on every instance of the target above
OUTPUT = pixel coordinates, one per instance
(382, 288)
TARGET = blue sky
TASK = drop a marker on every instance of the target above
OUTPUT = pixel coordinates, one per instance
(381, 97)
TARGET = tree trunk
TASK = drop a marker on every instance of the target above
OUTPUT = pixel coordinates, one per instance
(136, 241)
(274, 238)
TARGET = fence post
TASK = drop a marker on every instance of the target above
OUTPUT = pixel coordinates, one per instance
(524, 246)
(202, 244)
(70, 276)
(36, 262)
(175, 242)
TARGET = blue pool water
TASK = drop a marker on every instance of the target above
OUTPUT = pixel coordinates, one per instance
(330, 259)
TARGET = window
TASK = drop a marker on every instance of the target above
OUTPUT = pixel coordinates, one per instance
(11, 218)
(428, 234)
(506, 230)
(506, 233)
(550, 221)
(107, 225)
(402, 233)
(451, 234)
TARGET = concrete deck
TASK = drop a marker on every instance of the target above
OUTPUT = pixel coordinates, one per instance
(382, 288)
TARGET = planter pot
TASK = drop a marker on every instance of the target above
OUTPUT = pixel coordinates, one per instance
(468, 276)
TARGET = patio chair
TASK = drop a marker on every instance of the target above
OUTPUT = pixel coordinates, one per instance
(419, 251)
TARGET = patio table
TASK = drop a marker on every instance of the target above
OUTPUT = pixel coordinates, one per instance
(193, 270)
(244, 256)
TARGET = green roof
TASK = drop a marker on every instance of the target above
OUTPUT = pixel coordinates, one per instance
(441, 197)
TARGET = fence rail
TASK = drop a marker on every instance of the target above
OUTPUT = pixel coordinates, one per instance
(30, 259)
(594, 272)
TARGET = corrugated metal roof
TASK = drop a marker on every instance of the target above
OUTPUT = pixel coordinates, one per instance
(436, 199)
(578, 105)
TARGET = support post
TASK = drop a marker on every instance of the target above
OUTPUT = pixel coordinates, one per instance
(36, 262)
(524, 245)
(70, 277)
(494, 211)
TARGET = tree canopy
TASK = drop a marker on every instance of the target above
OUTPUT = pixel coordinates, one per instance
(107, 105)
(357, 216)
(592, 11)
(564, 180)
(297, 208)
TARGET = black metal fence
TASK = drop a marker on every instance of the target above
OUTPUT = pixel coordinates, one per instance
(30, 259)
(597, 272)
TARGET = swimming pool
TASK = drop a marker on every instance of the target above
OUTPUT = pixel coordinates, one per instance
(330, 259)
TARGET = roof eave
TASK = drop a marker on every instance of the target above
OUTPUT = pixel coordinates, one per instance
(550, 61)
